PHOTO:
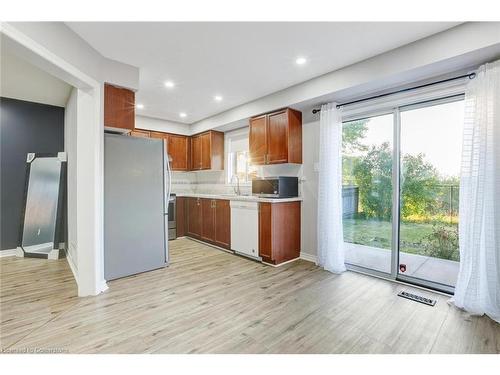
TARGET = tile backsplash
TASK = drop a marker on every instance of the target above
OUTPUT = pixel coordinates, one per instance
(214, 182)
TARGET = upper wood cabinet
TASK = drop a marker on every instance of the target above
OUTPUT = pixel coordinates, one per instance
(119, 107)
(207, 151)
(276, 138)
(177, 148)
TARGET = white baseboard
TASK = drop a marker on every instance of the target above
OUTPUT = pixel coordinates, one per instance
(308, 257)
(8, 253)
(73, 267)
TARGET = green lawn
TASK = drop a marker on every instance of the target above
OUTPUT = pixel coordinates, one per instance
(378, 234)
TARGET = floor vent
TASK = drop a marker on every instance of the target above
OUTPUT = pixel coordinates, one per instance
(414, 297)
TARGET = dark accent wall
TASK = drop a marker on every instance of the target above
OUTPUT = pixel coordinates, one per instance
(24, 127)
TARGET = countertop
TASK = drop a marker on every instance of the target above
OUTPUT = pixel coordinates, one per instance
(234, 197)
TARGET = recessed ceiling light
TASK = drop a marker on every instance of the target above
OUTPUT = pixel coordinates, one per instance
(218, 98)
(182, 114)
(169, 84)
(139, 106)
(300, 60)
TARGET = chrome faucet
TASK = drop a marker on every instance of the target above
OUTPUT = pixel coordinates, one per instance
(236, 188)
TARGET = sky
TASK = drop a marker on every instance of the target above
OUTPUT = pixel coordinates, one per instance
(435, 131)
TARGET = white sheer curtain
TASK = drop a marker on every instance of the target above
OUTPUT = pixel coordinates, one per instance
(330, 232)
(478, 285)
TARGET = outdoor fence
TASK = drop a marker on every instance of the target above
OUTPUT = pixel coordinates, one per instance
(444, 201)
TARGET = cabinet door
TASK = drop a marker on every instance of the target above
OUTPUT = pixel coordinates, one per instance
(119, 107)
(265, 231)
(177, 148)
(277, 138)
(180, 216)
(207, 220)
(206, 151)
(194, 217)
(222, 223)
(196, 152)
(257, 140)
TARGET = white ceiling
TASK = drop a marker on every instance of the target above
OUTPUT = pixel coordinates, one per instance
(24, 81)
(239, 61)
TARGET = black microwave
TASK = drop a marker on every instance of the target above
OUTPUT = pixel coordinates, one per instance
(276, 187)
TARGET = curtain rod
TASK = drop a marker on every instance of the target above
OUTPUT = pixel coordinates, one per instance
(470, 76)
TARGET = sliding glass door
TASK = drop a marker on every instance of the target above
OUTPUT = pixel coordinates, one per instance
(401, 190)
(367, 192)
(431, 144)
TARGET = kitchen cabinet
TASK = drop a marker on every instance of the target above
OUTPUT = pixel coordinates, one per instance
(140, 133)
(222, 214)
(207, 151)
(279, 231)
(276, 138)
(212, 222)
(180, 216)
(119, 107)
(207, 220)
(194, 215)
(177, 147)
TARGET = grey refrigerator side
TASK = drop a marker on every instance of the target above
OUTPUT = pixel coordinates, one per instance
(135, 230)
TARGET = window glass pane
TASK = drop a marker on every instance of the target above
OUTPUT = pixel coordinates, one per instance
(367, 191)
(431, 140)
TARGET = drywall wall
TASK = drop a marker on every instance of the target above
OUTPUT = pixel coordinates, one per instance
(22, 80)
(70, 146)
(463, 46)
(24, 127)
(149, 123)
(60, 40)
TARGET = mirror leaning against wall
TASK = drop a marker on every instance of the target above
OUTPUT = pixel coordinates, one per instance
(41, 232)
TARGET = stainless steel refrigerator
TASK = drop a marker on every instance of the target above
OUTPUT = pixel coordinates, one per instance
(137, 182)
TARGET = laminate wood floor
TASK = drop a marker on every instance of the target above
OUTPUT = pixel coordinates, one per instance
(209, 301)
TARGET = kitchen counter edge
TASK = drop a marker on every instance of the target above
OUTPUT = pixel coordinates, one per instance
(239, 198)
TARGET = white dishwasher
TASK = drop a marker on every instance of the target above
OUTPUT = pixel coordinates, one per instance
(245, 228)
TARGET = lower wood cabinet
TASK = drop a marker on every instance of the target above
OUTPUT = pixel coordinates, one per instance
(209, 220)
(193, 217)
(279, 231)
(222, 230)
(180, 216)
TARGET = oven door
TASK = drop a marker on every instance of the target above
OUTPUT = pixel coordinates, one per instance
(171, 213)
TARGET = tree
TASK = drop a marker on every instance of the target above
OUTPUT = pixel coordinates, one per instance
(373, 176)
(419, 185)
(353, 133)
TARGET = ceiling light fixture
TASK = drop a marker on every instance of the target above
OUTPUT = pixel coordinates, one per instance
(182, 114)
(218, 98)
(139, 106)
(169, 84)
(300, 60)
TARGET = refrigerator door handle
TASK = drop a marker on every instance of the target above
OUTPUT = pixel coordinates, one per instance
(167, 184)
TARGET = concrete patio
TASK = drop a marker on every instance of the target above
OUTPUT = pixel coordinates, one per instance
(423, 267)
